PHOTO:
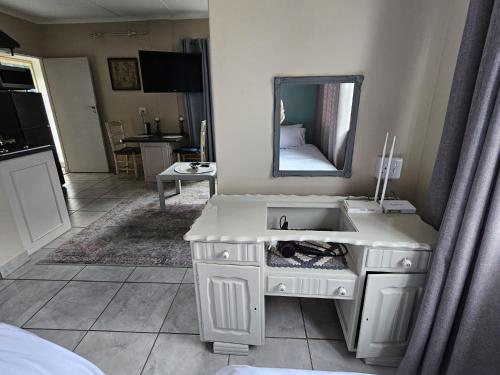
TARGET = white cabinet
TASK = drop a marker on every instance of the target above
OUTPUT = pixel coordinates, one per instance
(156, 157)
(389, 310)
(231, 303)
(36, 199)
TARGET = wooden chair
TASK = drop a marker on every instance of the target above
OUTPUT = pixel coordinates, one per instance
(125, 157)
(191, 153)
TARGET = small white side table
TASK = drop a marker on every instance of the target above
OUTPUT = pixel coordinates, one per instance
(171, 175)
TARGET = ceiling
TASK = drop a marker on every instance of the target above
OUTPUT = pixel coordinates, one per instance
(81, 11)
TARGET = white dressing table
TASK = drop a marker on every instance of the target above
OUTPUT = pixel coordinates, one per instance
(376, 296)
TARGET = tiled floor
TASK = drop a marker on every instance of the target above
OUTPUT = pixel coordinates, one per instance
(142, 320)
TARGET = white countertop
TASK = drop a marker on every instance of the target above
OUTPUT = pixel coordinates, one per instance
(243, 218)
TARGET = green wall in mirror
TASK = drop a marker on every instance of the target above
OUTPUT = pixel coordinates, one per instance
(300, 107)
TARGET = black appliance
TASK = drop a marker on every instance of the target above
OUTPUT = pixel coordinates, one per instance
(23, 119)
(171, 71)
(15, 78)
(8, 43)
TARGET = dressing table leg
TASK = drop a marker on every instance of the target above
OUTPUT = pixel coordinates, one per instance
(230, 348)
(177, 186)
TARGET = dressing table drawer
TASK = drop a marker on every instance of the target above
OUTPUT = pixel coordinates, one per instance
(229, 252)
(310, 286)
(398, 260)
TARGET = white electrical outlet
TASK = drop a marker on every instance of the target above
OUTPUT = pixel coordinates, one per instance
(142, 111)
(396, 166)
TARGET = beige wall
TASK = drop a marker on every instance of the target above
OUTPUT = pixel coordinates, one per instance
(27, 34)
(396, 45)
(73, 40)
(440, 98)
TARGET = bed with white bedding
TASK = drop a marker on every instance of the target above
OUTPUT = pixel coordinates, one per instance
(304, 158)
(22, 352)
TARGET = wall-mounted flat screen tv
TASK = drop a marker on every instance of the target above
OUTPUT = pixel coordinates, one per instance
(170, 71)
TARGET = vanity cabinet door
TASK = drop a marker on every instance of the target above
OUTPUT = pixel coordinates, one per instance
(389, 310)
(231, 303)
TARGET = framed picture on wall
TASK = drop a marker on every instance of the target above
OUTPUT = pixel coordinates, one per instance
(124, 73)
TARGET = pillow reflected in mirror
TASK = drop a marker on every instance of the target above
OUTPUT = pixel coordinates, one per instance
(291, 137)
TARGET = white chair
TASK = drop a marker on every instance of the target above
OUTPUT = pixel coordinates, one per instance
(125, 157)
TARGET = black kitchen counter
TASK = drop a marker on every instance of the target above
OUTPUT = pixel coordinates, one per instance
(28, 151)
(142, 138)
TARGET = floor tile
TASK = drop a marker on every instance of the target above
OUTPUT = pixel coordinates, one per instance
(65, 338)
(120, 353)
(63, 238)
(40, 254)
(281, 353)
(184, 353)
(109, 183)
(133, 184)
(88, 193)
(23, 298)
(51, 272)
(102, 204)
(332, 355)
(137, 308)
(74, 204)
(21, 270)
(157, 275)
(94, 176)
(78, 185)
(284, 318)
(188, 277)
(321, 319)
(104, 273)
(77, 306)
(120, 193)
(183, 316)
(5, 283)
(82, 219)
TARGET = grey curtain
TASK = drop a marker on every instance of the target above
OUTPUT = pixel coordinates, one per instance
(457, 330)
(198, 105)
(326, 120)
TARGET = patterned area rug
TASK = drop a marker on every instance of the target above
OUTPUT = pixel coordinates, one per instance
(299, 260)
(137, 232)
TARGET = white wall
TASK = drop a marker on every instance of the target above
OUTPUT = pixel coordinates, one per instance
(440, 98)
(395, 44)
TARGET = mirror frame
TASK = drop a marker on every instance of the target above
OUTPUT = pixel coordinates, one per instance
(318, 80)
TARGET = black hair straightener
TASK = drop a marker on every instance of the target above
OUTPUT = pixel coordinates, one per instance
(318, 248)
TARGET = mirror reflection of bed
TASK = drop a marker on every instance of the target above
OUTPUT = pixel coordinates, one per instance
(315, 125)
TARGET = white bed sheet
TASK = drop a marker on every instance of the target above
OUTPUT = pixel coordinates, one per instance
(248, 370)
(22, 352)
(304, 158)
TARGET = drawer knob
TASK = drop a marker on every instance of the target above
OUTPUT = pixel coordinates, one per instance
(342, 291)
(282, 287)
(406, 263)
(225, 254)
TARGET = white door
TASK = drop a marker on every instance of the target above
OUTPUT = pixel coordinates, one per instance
(389, 310)
(70, 86)
(231, 303)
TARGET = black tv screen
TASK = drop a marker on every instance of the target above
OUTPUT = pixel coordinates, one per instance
(170, 71)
